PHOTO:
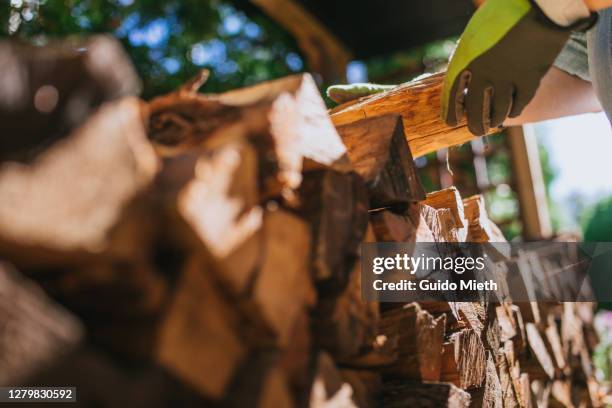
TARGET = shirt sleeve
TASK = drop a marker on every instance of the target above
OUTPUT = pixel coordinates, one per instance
(573, 59)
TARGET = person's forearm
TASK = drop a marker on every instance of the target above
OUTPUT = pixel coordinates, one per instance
(560, 94)
(595, 5)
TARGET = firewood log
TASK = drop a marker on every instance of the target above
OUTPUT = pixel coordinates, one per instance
(269, 388)
(418, 102)
(218, 207)
(285, 120)
(47, 92)
(65, 205)
(398, 394)
(490, 395)
(35, 331)
(419, 341)
(379, 153)
(538, 364)
(328, 387)
(346, 325)
(464, 360)
(509, 395)
(450, 200)
(198, 338)
(366, 385)
(335, 206)
(283, 286)
(391, 227)
(93, 372)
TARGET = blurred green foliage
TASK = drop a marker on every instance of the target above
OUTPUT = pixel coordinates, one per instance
(597, 223)
(168, 40)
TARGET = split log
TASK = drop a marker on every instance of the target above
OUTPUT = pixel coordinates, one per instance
(481, 229)
(219, 210)
(399, 394)
(509, 395)
(198, 339)
(464, 360)
(67, 203)
(294, 358)
(366, 385)
(335, 205)
(35, 331)
(379, 153)
(283, 287)
(419, 340)
(418, 102)
(392, 227)
(490, 395)
(93, 372)
(346, 325)
(450, 199)
(285, 120)
(268, 389)
(539, 364)
(49, 91)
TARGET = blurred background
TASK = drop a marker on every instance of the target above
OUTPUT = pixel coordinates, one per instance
(242, 42)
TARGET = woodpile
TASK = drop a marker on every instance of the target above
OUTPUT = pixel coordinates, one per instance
(204, 250)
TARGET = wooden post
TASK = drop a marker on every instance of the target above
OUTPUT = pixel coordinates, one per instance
(529, 183)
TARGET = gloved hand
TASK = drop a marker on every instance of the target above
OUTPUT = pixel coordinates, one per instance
(504, 52)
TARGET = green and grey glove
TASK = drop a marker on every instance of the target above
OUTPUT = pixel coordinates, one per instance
(502, 55)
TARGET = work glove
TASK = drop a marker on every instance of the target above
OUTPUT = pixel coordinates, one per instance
(502, 55)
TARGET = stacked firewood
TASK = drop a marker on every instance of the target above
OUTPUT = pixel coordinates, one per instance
(204, 250)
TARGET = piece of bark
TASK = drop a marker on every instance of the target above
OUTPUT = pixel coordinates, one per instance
(418, 102)
(464, 360)
(403, 393)
(66, 204)
(490, 395)
(346, 325)
(219, 209)
(419, 339)
(379, 153)
(328, 386)
(283, 286)
(35, 331)
(48, 91)
(285, 119)
(335, 206)
(198, 338)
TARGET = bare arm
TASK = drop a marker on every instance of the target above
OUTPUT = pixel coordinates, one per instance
(595, 5)
(560, 94)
